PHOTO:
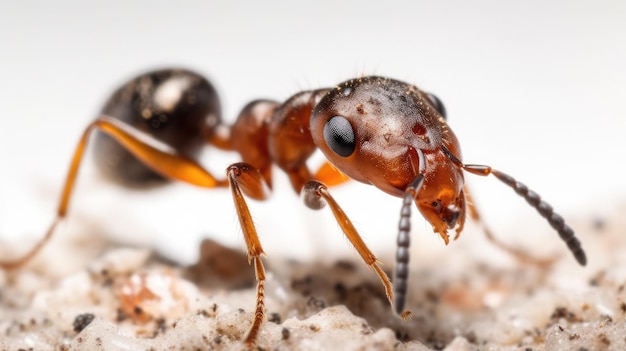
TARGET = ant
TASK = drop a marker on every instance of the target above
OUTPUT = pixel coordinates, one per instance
(375, 130)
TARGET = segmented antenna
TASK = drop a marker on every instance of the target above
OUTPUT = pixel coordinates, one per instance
(545, 210)
(401, 271)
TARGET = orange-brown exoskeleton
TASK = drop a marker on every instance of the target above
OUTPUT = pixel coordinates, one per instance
(375, 130)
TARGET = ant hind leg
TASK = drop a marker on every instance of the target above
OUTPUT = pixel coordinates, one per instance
(159, 156)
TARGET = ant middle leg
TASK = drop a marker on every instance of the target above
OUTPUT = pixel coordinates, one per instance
(244, 178)
(155, 154)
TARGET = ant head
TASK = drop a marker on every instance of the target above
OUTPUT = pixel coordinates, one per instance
(385, 132)
(366, 126)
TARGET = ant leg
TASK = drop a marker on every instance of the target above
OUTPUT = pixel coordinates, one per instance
(316, 195)
(519, 254)
(242, 177)
(19, 262)
(159, 156)
(545, 210)
(330, 175)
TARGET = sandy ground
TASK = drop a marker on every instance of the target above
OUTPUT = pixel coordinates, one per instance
(469, 298)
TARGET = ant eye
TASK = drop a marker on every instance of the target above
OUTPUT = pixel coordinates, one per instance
(438, 105)
(339, 136)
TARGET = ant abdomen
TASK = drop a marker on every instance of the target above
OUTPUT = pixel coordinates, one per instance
(175, 106)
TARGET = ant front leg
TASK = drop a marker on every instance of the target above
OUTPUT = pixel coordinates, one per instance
(160, 157)
(331, 175)
(243, 178)
(316, 195)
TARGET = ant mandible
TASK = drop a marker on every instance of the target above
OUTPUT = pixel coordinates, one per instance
(375, 130)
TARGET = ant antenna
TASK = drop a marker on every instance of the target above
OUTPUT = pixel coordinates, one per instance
(545, 210)
(401, 271)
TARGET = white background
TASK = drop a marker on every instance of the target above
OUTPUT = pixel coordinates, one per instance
(534, 88)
